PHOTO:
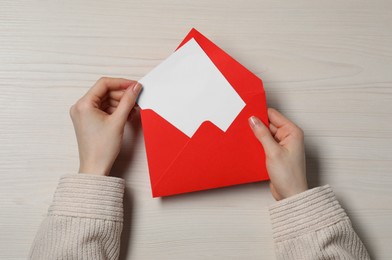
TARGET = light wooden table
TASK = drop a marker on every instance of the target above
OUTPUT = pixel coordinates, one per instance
(327, 65)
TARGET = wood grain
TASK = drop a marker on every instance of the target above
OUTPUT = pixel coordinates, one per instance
(325, 64)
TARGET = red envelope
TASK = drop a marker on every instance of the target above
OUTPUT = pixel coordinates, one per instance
(211, 158)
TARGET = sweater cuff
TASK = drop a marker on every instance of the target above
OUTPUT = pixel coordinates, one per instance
(89, 196)
(306, 212)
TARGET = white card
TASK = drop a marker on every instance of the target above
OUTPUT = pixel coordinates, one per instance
(187, 89)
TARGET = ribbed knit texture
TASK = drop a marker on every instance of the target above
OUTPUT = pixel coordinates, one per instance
(84, 221)
(313, 225)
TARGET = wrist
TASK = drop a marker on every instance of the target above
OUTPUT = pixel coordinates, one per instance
(297, 190)
(94, 170)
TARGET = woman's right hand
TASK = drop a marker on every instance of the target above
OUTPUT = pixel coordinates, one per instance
(284, 148)
(99, 118)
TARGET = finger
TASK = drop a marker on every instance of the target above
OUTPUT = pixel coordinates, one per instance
(113, 102)
(273, 128)
(133, 114)
(275, 132)
(105, 84)
(116, 94)
(263, 134)
(112, 98)
(113, 94)
(283, 132)
(277, 119)
(104, 105)
(109, 106)
(110, 110)
(127, 102)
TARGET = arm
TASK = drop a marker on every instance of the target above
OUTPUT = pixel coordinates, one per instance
(313, 225)
(306, 224)
(85, 218)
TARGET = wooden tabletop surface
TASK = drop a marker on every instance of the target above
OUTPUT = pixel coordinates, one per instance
(327, 65)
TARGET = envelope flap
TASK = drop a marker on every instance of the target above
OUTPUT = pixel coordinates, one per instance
(212, 159)
(241, 79)
(163, 143)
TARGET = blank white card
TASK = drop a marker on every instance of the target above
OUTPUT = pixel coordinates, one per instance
(187, 89)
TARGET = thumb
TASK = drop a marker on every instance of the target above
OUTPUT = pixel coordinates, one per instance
(127, 102)
(263, 134)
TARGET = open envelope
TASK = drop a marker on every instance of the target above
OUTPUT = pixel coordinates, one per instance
(210, 158)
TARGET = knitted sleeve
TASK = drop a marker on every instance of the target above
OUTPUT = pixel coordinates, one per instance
(313, 225)
(84, 220)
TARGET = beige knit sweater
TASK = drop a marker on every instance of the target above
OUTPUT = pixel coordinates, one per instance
(86, 218)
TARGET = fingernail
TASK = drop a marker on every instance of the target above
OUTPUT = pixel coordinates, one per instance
(254, 121)
(136, 89)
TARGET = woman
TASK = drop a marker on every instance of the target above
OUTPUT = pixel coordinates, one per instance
(86, 217)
